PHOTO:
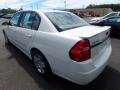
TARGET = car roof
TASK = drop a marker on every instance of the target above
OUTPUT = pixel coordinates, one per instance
(115, 17)
(44, 10)
(115, 12)
(51, 11)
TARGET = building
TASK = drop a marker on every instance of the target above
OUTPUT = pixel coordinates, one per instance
(90, 12)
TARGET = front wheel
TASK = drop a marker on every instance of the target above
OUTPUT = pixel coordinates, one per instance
(6, 38)
(41, 64)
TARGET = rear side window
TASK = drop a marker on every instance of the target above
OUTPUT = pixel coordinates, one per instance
(114, 20)
(14, 20)
(36, 21)
(30, 20)
(118, 14)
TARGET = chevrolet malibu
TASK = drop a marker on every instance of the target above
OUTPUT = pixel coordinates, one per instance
(60, 42)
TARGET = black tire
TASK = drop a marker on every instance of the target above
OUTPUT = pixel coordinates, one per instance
(6, 39)
(41, 64)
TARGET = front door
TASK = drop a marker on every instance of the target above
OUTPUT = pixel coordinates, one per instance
(13, 27)
(28, 27)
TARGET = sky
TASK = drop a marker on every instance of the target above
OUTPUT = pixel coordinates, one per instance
(38, 4)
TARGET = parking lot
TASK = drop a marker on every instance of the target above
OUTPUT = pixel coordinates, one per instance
(18, 73)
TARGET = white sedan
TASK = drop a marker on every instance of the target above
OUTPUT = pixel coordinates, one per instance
(60, 42)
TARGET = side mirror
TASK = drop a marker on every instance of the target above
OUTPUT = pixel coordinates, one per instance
(5, 23)
(102, 22)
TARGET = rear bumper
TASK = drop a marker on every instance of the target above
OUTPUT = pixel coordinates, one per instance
(92, 70)
(86, 78)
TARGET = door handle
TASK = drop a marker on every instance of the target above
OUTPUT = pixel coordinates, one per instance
(14, 30)
(28, 36)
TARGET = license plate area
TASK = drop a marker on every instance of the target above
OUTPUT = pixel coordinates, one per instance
(95, 51)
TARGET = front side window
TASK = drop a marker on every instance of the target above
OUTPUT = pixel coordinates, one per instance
(15, 18)
(114, 20)
(65, 21)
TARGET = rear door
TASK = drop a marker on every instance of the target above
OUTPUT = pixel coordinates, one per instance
(29, 25)
(114, 22)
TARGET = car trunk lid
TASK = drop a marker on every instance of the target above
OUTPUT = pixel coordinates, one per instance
(96, 35)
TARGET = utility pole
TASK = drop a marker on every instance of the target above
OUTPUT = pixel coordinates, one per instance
(5, 4)
(83, 6)
(37, 5)
(65, 4)
(31, 7)
(21, 4)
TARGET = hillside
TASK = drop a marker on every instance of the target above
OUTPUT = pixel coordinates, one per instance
(114, 7)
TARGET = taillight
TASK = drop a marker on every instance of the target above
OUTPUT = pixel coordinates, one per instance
(80, 51)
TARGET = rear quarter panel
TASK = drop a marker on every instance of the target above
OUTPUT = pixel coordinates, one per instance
(55, 48)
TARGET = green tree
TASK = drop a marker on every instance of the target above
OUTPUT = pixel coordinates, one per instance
(114, 7)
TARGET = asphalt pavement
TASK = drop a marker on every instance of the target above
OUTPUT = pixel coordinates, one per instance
(18, 73)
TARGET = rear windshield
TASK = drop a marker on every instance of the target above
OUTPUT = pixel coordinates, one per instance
(110, 15)
(65, 20)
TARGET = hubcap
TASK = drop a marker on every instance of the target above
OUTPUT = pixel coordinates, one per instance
(39, 63)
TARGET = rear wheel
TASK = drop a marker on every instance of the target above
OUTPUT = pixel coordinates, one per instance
(41, 63)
